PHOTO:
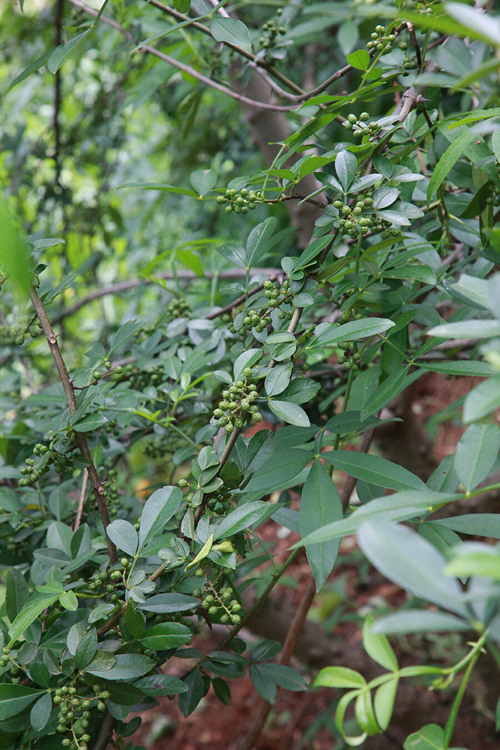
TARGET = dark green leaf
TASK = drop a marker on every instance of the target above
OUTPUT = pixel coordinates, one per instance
(374, 469)
(231, 31)
(158, 510)
(241, 518)
(168, 603)
(127, 667)
(15, 698)
(86, 649)
(320, 504)
(167, 635)
(40, 713)
(289, 412)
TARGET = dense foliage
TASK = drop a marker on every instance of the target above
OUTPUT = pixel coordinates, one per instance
(149, 322)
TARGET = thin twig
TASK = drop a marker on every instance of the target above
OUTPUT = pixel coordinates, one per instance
(124, 286)
(80, 437)
(81, 503)
(185, 68)
(105, 732)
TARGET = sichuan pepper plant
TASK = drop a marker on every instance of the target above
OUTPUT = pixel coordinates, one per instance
(390, 174)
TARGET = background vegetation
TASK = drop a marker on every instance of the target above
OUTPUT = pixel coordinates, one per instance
(249, 308)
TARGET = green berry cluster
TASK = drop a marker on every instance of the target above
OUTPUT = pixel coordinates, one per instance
(351, 357)
(424, 7)
(141, 379)
(219, 500)
(258, 319)
(111, 493)
(6, 658)
(97, 374)
(23, 325)
(240, 202)
(238, 403)
(47, 456)
(74, 714)
(177, 308)
(271, 31)
(494, 198)
(361, 219)
(381, 40)
(360, 126)
(220, 604)
(409, 63)
(102, 586)
(164, 445)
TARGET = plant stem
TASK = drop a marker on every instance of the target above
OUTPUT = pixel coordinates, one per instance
(80, 437)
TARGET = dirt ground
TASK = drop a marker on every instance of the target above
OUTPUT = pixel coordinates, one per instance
(305, 720)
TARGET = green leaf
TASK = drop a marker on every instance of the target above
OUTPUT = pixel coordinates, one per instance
(328, 333)
(398, 507)
(476, 453)
(161, 684)
(158, 510)
(430, 737)
(477, 329)
(90, 423)
(283, 466)
(231, 31)
(365, 715)
(182, 6)
(386, 391)
(359, 59)
(475, 524)
(15, 698)
(261, 240)
(312, 251)
(127, 667)
(448, 160)
(414, 273)
(247, 359)
(40, 713)
(320, 504)
(135, 621)
(469, 289)
(485, 564)
(346, 165)
(483, 24)
(168, 603)
(374, 469)
(419, 621)
(338, 677)
(124, 536)
(412, 563)
(32, 68)
(15, 260)
(241, 518)
(29, 614)
(86, 649)
(203, 180)
(17, 593)
(61, 53)
(301, 390)
(470, 368)
(289, 412)
(190, 698)
(278, 379)
(167, 635)
(384, 702)
(378, 647)
(69, 601)
(482, 400)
